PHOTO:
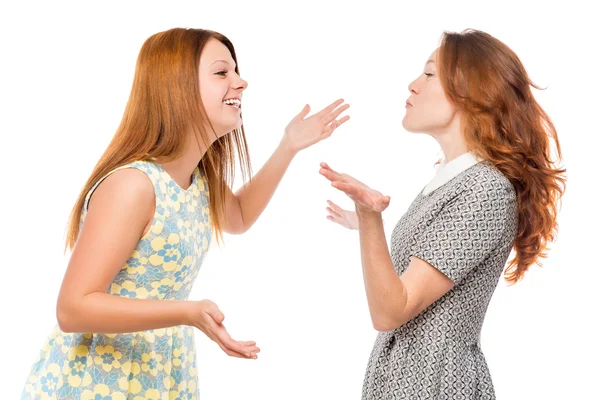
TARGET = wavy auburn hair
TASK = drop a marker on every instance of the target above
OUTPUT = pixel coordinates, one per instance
(163, 108)
(504, 125)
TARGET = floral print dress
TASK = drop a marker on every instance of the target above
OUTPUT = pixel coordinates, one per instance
(154, 364)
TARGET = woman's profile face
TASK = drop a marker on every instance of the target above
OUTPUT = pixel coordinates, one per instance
(428, 110)
(220, 87)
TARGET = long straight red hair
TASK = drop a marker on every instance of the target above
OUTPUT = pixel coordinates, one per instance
(504, 124)
(163, 108)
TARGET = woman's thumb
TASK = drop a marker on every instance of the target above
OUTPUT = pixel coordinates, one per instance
(216, 315)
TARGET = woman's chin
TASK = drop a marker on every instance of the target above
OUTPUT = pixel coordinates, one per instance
(224, 129)
(236, 126)
(412, 127)
(235, 123)
(408, 126)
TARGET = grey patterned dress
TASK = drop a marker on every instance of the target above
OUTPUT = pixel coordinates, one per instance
(466, 229)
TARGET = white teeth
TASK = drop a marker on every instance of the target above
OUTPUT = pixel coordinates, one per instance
(233, 102)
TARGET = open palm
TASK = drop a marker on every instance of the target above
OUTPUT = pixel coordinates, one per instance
(303, 132)
(365, 198)
(346, 218)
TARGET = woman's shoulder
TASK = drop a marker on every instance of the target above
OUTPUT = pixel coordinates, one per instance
(485, 178)
(129, 182)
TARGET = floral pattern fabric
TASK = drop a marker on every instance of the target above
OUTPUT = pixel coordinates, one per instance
(154, 364)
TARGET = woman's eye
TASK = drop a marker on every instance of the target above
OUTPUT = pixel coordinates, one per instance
(428, 74)
(222, 73)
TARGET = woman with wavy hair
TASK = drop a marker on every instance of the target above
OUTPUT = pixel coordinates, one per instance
(144, 220)
(496, 190)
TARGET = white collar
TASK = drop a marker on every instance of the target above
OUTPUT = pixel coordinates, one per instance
(447, 171)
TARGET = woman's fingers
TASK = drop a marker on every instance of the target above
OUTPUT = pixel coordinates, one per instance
(333, 115)
(348, 188)
(329, 174)
(233, 353)
(329, 108)
(333, 212)
(335, 207)
(232, 344)
(326, 167)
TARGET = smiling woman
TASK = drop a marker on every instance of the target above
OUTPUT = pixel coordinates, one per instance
(142, 225)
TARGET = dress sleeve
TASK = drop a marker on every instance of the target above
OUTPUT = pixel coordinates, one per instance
(465, 232)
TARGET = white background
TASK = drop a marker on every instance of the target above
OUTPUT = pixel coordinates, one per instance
(293, 282)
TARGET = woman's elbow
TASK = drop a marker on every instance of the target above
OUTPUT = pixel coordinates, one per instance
(385, 324)
(65, 317)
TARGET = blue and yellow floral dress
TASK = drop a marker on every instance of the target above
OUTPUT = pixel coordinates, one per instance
(154, 364)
